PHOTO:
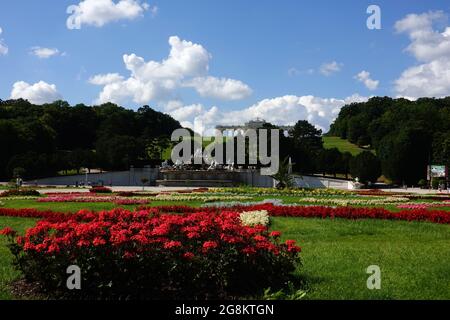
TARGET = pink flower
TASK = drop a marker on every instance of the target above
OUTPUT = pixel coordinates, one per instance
(275, 234)
(99, 242)
(259, 238)
(8, 232)
(291, 243)
(188, 255)
(172, 244)
(53, 248)
(207, 245)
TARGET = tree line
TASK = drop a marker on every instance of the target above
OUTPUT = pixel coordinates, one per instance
(39, 141)
(403, 138)
(406, 135)
(304, 145)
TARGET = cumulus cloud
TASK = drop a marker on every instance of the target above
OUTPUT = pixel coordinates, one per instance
(3, 47)
(364, 77)
(285, 110)
(431, 48)
(327, 69)
(100, 12)
(104, 79)
(38, 93)
(44, 53)
(186, 66)
(225, 89)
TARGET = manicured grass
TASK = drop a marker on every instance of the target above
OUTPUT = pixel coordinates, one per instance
(342, 145)
(57, 206)
(7, 271)
(77, 206)
(413, 257)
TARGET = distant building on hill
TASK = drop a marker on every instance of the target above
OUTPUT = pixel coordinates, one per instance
(253, 124)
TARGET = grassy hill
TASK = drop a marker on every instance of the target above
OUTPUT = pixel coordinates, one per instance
(342, 145)
(328, 142)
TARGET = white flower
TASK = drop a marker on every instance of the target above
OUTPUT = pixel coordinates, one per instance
(254, 218)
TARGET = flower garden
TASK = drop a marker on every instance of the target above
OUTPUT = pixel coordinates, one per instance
(235, 243)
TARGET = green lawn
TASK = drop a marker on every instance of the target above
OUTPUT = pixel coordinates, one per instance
(58, 206)
(77, 206)
(413, 257)
(342, 145)
(7, 271)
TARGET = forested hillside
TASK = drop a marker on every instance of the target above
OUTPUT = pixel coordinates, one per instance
(39, 141)
(406, 135)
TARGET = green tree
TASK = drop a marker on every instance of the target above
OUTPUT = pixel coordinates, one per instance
(366, 167)
(306, 144)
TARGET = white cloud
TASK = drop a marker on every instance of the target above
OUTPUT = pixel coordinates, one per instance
(38, 93)
(285, 110)
(104, 79)
(225, 89)
(186, 66)
(426, 80)
(44, 53)
(100, 12)
(427, 44)
(186, 113)
(364, 77)
(327, 69)
(3, 47)
(431, 48)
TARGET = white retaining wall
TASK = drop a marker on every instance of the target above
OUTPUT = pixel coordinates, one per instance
(119, 178)
(133, 178)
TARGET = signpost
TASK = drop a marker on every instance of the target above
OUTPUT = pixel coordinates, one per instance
(437, 171)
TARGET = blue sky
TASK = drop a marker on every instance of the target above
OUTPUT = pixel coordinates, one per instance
(270, 49)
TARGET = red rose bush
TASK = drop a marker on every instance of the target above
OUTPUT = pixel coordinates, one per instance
(148, 255)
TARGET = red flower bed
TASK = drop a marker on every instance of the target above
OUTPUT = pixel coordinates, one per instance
(33, 213)
(144, 254)
(435, 216)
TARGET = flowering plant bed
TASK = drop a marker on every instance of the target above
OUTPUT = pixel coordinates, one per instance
(366, 201)
(285, 192)
(147, 255)
(436, 216)
(32, 213)
(417, 214)
(203, 198)
(424, 205)
(94, 199)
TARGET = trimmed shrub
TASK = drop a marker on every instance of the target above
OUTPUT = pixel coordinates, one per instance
(20, 193)
(100, 190)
